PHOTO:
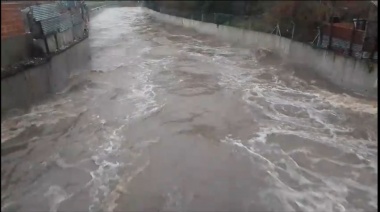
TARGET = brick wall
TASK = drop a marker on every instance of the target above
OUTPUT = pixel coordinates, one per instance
(341, 38)
(343, 31)
(12, 23)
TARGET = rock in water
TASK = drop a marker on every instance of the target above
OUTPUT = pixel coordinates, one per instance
(266, 56)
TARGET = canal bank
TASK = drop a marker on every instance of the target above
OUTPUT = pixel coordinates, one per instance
(170, 119)
(346, 72)
(33, 84)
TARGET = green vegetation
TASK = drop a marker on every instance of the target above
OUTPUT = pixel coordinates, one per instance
(305, 16)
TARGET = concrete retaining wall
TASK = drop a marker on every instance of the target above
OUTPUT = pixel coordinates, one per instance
(24, 88)
(346, 72)
(15, 49)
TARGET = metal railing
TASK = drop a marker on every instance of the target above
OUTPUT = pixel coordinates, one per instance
(288, 29)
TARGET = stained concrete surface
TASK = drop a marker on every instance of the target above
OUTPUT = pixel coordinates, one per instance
(15, 49)
(172, 120)
(22, 87)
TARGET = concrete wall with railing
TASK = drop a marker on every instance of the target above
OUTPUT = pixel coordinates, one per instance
(349, 73)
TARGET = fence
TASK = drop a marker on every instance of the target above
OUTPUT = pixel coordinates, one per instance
(316, 36)
(257, 23)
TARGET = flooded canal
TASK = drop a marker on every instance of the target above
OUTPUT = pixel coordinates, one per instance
(172, 120)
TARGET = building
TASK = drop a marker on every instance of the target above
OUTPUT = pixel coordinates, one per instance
(34, 29)
(357, 38)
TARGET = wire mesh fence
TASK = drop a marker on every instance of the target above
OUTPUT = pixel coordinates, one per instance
(306, 33)
(256, 23)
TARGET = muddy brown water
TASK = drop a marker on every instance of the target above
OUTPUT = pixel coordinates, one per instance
(171, 120)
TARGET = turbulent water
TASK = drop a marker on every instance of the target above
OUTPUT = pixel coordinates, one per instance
(172, 120)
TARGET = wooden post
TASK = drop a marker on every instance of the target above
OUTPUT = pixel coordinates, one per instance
(351, 41)
(56, 40)
(320, 40)
(45, 39)
(294, 26)
(374, 49)
(330, 36)
(331, 25)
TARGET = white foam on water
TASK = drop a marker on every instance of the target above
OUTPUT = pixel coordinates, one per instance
(107, 155)
(142, 93)
(349, 102)
(48, 113)
(56, 195)
(296, 108)
(327, 194)
(108, 169)
(109, 204)
(312, 109)
(144, 100)
(313, 114)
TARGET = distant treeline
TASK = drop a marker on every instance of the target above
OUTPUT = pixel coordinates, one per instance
(300, 12)
(306, 16)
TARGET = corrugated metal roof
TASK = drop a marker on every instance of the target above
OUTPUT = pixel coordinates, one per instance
(45, 11)
(65, 22)
(77, 18)
(50, 25)
(52, 20)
